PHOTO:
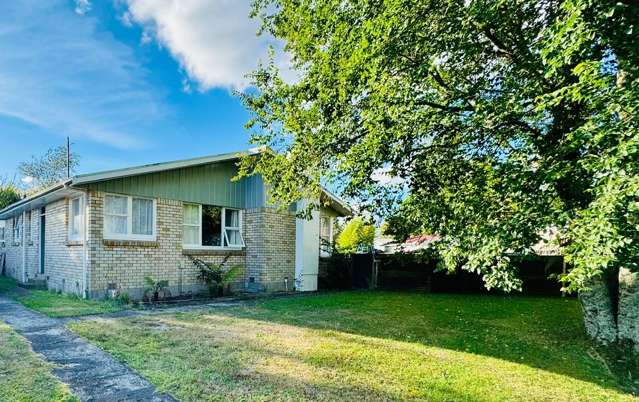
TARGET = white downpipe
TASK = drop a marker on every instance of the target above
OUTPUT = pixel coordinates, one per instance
(24, 248)
(85, 250)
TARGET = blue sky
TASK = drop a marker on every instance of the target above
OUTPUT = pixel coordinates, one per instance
(130, 81)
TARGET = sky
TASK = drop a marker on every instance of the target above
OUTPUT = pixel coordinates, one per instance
(129, 81)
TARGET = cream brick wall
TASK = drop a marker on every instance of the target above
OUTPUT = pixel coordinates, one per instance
(13, 252)
(270, 249)
(63, 265)
(125, 264)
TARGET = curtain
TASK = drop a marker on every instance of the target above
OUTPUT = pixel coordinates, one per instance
(142, 215)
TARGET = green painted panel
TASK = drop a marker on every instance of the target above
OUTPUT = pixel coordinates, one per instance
(205, 184)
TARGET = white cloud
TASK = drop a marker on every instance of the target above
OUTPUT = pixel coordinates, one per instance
(215, 41)
(59, 72)
(82, 6)
(384, 177)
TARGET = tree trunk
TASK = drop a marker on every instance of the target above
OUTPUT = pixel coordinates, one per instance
(599, 311)
(628, 317)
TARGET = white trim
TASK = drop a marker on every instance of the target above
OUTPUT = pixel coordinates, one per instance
(85, 250)
(129, 224)
(70, 223)
(24, 251)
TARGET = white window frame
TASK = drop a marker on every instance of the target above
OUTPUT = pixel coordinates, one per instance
(222, 233)
(28, 229)
(325, 253)
(129, 220)
(3, 233)
(71, 236)
(17, 228)
(238, 228)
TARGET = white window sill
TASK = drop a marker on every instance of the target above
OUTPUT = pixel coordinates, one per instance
(130, 238)
(210, 248)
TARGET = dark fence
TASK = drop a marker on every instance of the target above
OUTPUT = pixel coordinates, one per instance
(410, 272)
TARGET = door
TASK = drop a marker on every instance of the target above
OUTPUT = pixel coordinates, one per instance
(42, 238)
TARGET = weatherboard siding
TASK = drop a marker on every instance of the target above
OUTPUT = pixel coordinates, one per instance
(210, 184)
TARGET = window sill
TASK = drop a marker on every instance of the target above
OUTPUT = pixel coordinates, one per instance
(212, 251)
(73, 243)
(130, 243)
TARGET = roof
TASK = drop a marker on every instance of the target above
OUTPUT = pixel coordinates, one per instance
(337, 203)
(63, 188)
(157, 167)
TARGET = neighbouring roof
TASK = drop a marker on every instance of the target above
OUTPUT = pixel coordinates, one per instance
(67, 187)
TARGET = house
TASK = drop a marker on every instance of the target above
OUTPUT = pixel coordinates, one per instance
(388, 244)
(110, 230)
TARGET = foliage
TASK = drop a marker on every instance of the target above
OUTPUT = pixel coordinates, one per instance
(355, 235)
(9, 193)
(156, 289)
(373, 346)
(49, 168)
(216, 276)
(500, 118)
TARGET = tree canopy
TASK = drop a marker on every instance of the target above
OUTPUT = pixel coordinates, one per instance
(501, 119)
(9, 193)
(49, 168)
(357, 233)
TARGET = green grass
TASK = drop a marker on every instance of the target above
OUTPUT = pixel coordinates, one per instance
(367, 346)
(56, 305)
(23, 375)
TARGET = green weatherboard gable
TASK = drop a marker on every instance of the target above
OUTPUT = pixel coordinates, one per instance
(204, 184)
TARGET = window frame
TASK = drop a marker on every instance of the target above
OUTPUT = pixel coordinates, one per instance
(129, 220)
(222, 230)
(3, 232)
(323, 252)
(17, 226)
(70, 234)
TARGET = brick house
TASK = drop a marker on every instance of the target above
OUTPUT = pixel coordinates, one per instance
(112, 229)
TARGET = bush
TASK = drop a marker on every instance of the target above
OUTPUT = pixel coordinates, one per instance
(216, 276)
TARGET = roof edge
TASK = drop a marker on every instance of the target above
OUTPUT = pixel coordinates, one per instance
(54, 187)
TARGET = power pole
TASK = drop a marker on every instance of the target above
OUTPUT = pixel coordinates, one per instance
(68, 158)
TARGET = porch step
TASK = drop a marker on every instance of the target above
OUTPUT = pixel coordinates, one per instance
(35, 284)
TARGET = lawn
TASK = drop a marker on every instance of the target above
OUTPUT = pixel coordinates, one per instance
(367, 346)
(53, 304)
(23, 375)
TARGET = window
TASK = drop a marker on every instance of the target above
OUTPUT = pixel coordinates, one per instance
(326, 235)
(76, 218)
(129, 218)
(210, 226)
(17, 229)
(232, 228)
(2, 235)
(27, 227)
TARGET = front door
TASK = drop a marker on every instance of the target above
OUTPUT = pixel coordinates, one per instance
(42, 240)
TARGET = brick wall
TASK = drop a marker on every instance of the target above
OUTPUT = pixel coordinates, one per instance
(63, 259)
(270, 249)
(13, 252)
(125, 264)
(63, 263)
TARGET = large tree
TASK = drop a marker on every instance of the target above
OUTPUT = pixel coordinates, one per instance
(503, 120)
(50, 168)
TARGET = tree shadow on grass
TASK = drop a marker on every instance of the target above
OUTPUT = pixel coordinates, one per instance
(539, 332)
